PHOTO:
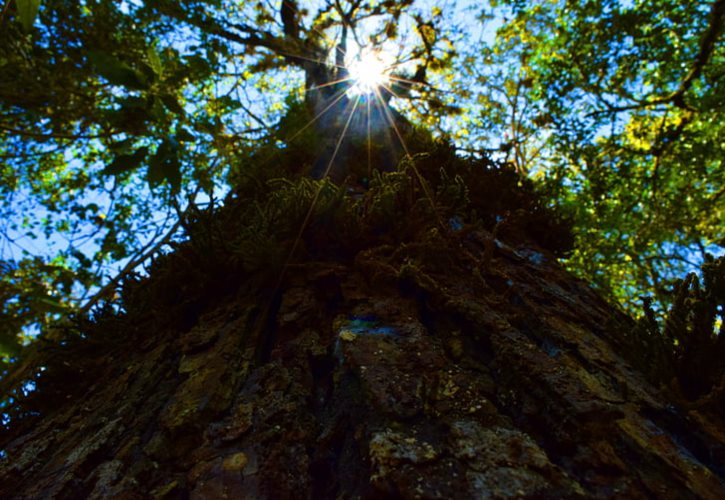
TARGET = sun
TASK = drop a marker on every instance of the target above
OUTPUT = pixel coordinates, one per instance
(368, 71)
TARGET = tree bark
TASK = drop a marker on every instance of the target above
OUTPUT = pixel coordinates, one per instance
(466, 364)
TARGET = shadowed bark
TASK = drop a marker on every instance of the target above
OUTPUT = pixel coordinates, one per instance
(413, 339)
(391, 358)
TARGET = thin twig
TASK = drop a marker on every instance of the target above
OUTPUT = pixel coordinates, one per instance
(38, 135)
(147, 252)
(5, 9)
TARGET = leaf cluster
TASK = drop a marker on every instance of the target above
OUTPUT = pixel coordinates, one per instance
(616, 108)
(134, 107)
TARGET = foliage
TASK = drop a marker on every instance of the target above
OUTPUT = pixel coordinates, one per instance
(280, 218)
(115, 116)
(122, 122)
(91, 111)
(617, 108)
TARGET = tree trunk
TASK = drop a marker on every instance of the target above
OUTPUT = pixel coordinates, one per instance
(440, 362)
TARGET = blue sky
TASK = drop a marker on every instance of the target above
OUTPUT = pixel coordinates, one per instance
(473, 32)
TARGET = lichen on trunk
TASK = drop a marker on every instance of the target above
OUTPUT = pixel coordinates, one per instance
(417, 339)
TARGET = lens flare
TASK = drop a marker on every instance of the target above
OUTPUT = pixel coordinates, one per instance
(368, 71)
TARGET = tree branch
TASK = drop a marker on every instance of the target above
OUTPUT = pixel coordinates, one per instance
(151, 248)
(4, 11)
(707, 46)
(250, 37)
(38, 135)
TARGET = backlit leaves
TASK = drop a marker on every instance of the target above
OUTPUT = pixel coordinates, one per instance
(109, 98)
(624, 141)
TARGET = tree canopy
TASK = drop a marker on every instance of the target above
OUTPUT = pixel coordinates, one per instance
(117, 118)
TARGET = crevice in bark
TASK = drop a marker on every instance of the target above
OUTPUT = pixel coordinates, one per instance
(399, 359)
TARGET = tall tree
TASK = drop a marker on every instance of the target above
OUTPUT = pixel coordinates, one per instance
(406, 335)
(376, 354)
(102, 99)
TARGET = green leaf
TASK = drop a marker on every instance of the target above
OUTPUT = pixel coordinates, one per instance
(27, 12)
(147, 73)
(184, 135)
(154, 60)
(172, 104)
(9, 344)
(172, 172)
(51, 306)
(158, 111)
(124, 163)
(228, 102)
(122, 146)
(116, 71)
(131, 117)
(155, 174)
(198, 66)
(165, 165)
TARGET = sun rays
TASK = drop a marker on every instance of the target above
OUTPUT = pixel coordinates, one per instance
(368, 70)
(367, 78)
(365, 85)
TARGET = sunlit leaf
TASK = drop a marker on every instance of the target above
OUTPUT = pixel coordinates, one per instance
(154, 60)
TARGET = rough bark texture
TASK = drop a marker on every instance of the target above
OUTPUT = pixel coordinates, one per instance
(449, 364)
